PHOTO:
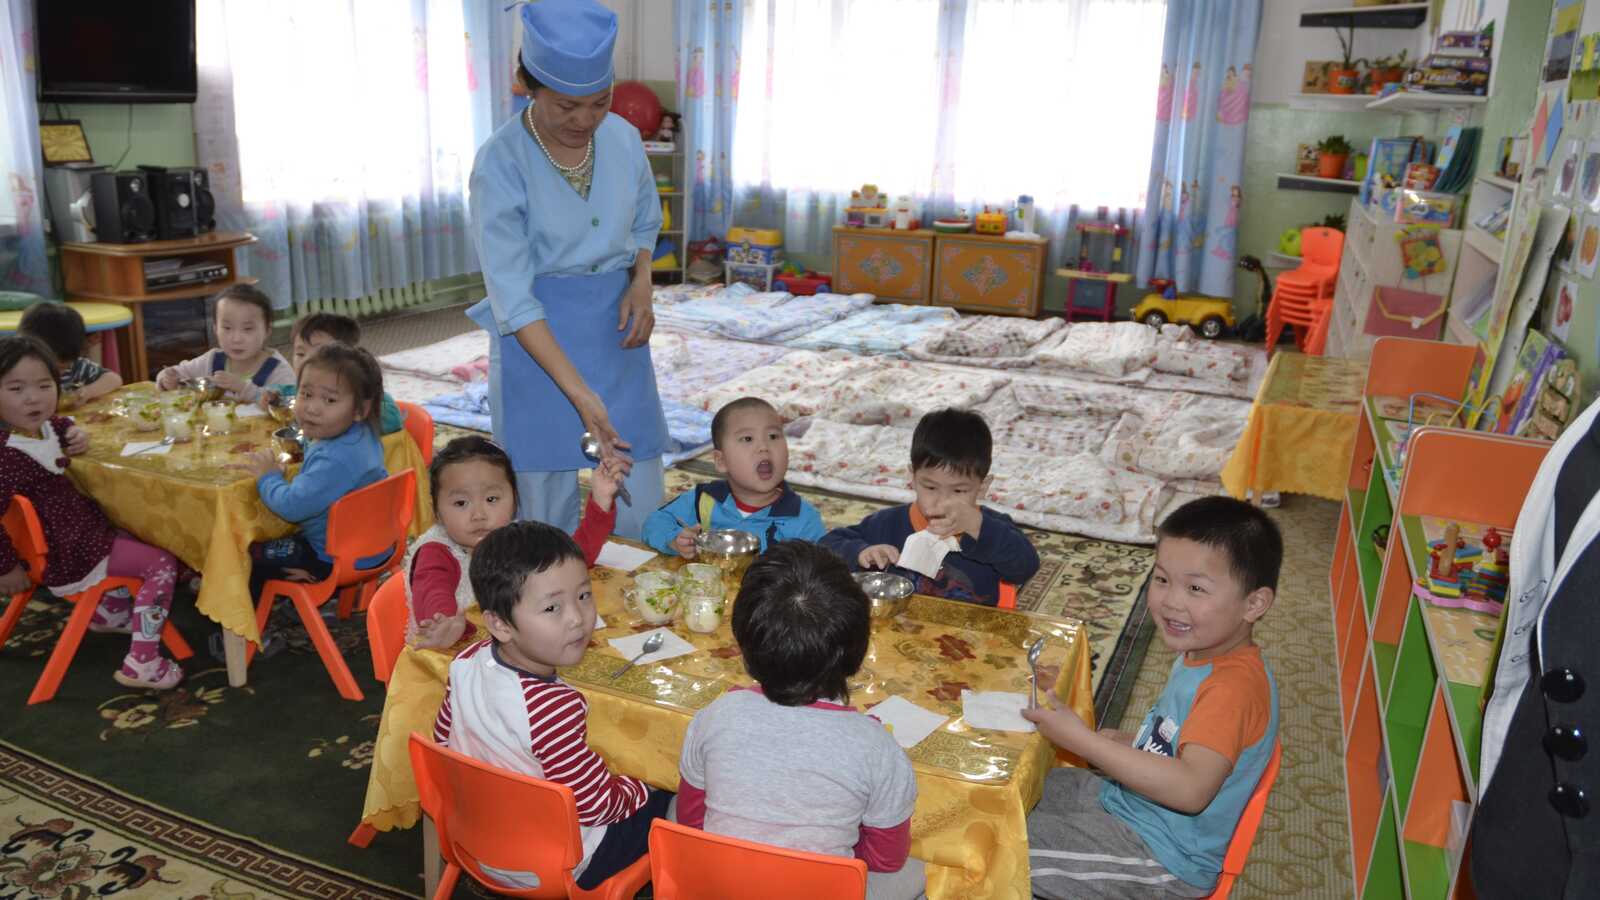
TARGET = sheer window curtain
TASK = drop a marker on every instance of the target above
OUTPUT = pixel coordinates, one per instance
(22, 257)
(959, 103)
(342, 133)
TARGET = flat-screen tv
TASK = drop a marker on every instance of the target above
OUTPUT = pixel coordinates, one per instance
(115, 51)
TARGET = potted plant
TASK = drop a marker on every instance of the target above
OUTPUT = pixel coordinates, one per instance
(1385, 70)
(1345, 78)
(1331, 154)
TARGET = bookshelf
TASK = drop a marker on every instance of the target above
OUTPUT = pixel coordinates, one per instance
(1412, 676)
(671, 163)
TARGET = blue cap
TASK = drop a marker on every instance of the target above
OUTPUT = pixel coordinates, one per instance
(566, 45)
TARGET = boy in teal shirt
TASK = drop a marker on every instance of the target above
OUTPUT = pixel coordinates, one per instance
(1159, 822)
(312, 331)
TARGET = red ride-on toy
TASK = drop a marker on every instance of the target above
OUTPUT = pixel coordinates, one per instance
(804, 284)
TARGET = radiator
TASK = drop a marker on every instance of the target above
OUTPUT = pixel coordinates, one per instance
(391, 300)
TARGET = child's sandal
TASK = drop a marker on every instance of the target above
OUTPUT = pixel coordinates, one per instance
(156, 673)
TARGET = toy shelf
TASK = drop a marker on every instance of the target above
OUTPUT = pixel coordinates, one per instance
(1425, 101)
(1394, 15)
(1288, 181)
(1412, 674)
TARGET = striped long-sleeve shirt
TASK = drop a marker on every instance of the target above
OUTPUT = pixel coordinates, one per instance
(537, 726)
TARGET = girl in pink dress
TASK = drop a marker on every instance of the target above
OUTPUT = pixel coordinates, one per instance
(1191, 94)
(695, 84)
(1233, 103)
(1227, 236)
(1164, 95)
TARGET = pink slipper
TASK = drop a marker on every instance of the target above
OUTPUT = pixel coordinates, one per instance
(156, 673)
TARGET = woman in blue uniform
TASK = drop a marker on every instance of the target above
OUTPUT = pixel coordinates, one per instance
(565, 214)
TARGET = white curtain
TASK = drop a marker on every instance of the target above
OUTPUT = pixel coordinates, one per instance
(22, 257)
(959, 103)
(342, 133)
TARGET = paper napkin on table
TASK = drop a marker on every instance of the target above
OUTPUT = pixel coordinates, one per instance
(599, 623)
(924, 552)
(995, 710)
(145, 448)
(671, 645)
(248, 411)
(621, 556)
(908, 722)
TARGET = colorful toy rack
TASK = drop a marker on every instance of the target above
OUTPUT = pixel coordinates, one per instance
(1413, 674)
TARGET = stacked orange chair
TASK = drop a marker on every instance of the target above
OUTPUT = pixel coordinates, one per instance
(492, 819)
(23, 527)
(361, 524)
(1304, 296)
(690, 864)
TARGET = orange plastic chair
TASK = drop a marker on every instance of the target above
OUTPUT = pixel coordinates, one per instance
(690, 864)
(1304, 296)
(489, 817)
(420, 426)
(386, 626)
(362, 523)
(1008, 595)
(26, 532)
(1244, 834)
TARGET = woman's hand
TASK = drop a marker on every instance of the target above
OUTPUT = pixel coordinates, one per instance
(638, 304)
(592, 410)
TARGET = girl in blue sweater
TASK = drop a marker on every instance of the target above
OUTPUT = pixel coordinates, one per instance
(341, 391)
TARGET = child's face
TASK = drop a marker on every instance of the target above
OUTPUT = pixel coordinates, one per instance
(939, 488)
(552, 621)
(755, 452)
(474, 499)
(307, 344)
(327, 406)
(27, 395)
(1199, 605)
(241, 329)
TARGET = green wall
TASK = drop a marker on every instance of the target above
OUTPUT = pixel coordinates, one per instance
(162, 133)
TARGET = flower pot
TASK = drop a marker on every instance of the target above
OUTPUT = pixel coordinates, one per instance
(1343, 81)
(1330, 165)
(1381, 77)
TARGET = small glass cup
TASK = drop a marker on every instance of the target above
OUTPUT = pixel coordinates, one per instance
(704, 574)
(178, 427)
(148, 417)
(702, 607)
(655, 596)
(219, 417)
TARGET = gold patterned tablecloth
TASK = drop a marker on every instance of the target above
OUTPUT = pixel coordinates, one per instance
(974, 787)
(196, 502)
(1301, 430)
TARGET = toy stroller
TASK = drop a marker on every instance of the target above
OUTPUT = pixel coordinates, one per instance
(1254, 326)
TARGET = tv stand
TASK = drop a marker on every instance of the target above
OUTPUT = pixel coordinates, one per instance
(115, 273)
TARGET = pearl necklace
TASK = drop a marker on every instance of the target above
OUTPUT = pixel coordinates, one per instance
(565, 170)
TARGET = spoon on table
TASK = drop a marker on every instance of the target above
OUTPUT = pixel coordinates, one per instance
(591, 448)
(167, 441)
(1033, 665)
(651, 645)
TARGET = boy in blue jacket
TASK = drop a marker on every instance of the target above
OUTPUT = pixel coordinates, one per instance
(751, 450)
(950, 455)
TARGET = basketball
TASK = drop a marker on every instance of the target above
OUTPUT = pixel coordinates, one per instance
(638, 104)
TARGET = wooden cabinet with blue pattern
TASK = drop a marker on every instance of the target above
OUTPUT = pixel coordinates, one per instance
(988, 274)
(895, 265)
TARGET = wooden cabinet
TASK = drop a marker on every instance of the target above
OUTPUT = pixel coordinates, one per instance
(988, 274)
(115, 273)
(895, 265)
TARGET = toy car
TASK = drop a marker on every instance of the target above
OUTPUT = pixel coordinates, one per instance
(1209, 315)
(804, 284)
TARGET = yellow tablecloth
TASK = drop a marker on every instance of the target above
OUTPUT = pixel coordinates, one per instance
(1301, 430)
(195, 502)
(974, 788)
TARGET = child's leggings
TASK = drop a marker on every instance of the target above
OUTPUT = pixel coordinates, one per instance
(131, 558)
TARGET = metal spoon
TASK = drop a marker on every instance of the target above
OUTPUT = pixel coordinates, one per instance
(1033, 664)
(651, 645)
(167, 441)
(591, 448)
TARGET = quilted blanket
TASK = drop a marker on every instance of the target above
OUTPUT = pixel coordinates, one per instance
(449, 358)
(755, 316)
(989, 341)
(884, 328)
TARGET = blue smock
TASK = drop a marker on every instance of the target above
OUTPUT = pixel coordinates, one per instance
(550, 254)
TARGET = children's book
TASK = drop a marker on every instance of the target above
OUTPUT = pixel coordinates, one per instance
(1386, 164)
(1523, 386)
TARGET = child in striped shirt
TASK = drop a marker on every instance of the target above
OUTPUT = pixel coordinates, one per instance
(505, 706)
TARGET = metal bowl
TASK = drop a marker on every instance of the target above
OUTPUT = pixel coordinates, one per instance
(887, 594)
(281, 409)
(206, 389)
(728, 549)
(289, 442)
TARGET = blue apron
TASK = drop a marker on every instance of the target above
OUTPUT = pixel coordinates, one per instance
(532, 418)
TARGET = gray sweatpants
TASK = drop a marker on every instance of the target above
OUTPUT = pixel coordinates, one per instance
(1076, 849)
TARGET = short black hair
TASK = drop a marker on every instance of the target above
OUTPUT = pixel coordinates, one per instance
(802, 623)
(252, 295)
(58, 325)
(466, 449)
(14, 348)
(506, 556)
(343, 329)
(529, 83)
(954, 439)
(719, 422)
(1241, 532)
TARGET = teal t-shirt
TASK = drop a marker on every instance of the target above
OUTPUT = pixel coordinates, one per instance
(390, 418)
(1228, 704)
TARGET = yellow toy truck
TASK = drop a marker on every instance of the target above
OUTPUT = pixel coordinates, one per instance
(1208, 315)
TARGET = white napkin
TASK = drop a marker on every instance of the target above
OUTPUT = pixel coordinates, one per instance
(145, 448)
(995, 710)
(924, 552)
(622, 556)
(671, 645)
(599, 623)
(248, 411)
(908, 722)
